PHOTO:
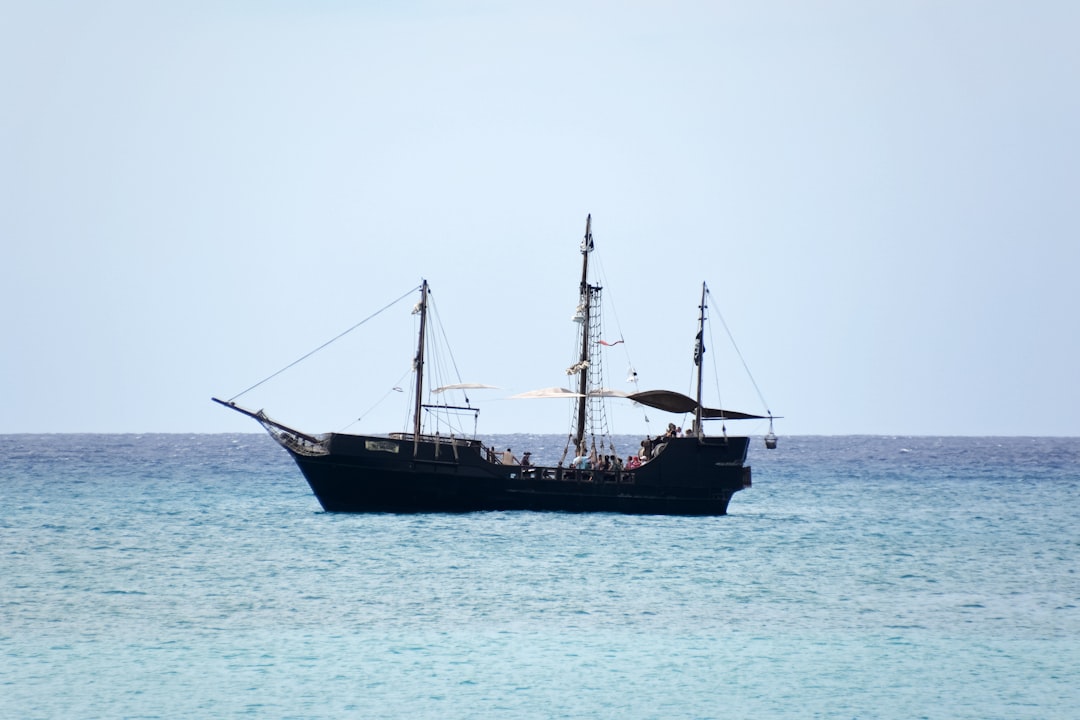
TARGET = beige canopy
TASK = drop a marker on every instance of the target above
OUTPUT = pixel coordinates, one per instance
(552, 392)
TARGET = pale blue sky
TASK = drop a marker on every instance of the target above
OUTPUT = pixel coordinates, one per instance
(883, 197)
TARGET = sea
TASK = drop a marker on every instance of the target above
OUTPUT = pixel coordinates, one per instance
(166, 576)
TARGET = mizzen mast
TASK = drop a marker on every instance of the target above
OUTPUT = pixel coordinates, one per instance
(699, 357)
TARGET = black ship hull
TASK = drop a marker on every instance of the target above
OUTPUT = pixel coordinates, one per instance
(350, 473)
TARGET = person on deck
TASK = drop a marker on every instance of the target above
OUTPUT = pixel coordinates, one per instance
(526, 460)
(508, 458)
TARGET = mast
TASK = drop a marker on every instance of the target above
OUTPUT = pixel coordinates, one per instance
(418, 364)
(586, 312)
(699, 360)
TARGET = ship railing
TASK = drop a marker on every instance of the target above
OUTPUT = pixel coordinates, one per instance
(440, 439)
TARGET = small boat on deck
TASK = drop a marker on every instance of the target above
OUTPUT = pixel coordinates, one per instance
(418, 470)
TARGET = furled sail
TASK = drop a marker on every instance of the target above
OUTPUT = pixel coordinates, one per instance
(465, 386)
(608, 392)
(552, 392)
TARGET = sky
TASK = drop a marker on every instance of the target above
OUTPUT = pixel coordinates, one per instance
(882, 197)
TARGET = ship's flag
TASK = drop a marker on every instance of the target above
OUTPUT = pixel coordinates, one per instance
(611, 344)
(699, 349)
(586, 242)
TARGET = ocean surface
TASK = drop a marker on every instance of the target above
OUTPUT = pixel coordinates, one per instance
(164, 576)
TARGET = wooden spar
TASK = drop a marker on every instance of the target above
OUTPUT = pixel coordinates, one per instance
(420, 366)
(583, 380)
(261, 417)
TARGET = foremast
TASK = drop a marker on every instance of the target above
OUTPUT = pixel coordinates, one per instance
(418, 364)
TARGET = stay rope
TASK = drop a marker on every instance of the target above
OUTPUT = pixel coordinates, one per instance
(325, 344)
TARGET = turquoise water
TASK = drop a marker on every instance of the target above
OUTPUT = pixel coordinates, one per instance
(861, 577)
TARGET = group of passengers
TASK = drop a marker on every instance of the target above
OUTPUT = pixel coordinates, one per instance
(507, 457)
(586, 461)
(593, 461)
(650, 448)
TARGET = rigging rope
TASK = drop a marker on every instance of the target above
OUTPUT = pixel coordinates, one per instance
(446, 343)
(632, 375)
(595, 414)
(328, 342)
(715, 371)
(743, 361)
(395, 388)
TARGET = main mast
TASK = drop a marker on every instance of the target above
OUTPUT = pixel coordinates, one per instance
(586, 313)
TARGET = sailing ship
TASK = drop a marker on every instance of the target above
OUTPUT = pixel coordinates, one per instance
(421, 471)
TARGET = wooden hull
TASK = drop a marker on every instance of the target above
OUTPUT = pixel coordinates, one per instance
(376, 474)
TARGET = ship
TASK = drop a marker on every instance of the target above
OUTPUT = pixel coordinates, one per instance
(419, 470)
